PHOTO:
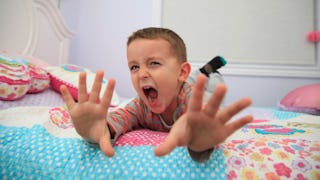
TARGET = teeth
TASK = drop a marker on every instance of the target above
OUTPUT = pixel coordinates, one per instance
(151, 99)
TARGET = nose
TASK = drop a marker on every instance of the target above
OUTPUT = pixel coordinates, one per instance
(143, 73)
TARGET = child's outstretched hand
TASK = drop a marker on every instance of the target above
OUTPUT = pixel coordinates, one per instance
(204, 126)
(89, 114)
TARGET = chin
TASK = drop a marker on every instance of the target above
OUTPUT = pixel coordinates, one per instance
(157, 110)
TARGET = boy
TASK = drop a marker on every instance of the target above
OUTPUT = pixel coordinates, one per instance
(159, 69)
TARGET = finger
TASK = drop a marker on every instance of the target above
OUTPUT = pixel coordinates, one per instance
(106, 146)
(66, 96)
(227, 113)
(167, 146)
(215, 100)
(195, 102)
(237, 124)
(82, 92)
(107, 96)
(95, 91)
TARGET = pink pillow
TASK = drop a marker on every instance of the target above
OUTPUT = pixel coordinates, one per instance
(304, 99)
(68, 75)
(19, 77)
(40, 79)
(14, 79)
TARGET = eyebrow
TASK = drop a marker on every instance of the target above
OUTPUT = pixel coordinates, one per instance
(132, 63)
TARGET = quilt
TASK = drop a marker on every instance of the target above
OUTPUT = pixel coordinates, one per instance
(41, 143)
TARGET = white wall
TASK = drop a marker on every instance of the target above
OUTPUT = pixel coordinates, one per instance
(265, 91)
(102, 28)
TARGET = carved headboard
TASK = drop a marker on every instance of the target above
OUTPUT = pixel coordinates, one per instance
(36, 28)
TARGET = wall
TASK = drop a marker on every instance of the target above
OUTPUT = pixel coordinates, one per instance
(102, 28)
(265, 91)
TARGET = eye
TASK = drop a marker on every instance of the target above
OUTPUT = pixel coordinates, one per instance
(154, 63)
(134, 68)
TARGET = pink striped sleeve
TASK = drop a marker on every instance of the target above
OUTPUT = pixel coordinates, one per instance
(122, 120)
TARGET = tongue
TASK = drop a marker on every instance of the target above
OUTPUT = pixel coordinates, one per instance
(153, 94)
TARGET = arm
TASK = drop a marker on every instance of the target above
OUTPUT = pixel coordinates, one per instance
(125, 119)
(89, 114)
(201, 128)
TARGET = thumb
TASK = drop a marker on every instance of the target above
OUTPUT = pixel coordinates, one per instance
(167, 146)
(105, 145)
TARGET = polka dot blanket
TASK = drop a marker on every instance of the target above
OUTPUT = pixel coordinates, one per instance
(41, 143)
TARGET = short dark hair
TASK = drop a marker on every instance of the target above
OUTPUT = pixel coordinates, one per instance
(176, 42)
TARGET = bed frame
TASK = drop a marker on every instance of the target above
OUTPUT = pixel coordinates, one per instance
(36, 28)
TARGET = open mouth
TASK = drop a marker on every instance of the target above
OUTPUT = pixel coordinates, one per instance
(150, 93)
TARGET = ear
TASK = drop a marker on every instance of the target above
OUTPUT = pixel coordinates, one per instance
(185, 69)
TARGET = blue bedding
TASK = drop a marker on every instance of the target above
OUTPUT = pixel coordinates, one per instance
(32, 153)
(41, 143)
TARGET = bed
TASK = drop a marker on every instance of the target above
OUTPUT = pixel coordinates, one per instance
(38, 141)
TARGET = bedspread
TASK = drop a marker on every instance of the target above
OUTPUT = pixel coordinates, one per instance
(40, 142)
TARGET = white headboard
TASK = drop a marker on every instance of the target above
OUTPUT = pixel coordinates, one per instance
(36, 28)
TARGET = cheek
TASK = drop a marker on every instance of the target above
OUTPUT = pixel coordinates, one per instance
(168, 72)
(169, 84)
(171, 77)
(134, 81)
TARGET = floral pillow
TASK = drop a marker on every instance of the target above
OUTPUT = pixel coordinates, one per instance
(19, 77)
(305, 99)
(68, 75)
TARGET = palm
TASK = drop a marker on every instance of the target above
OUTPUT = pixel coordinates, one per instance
(84, 119)
(204, 126)
(207, 130)
(89, 115)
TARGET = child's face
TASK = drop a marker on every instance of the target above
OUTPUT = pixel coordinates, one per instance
(156, 74)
